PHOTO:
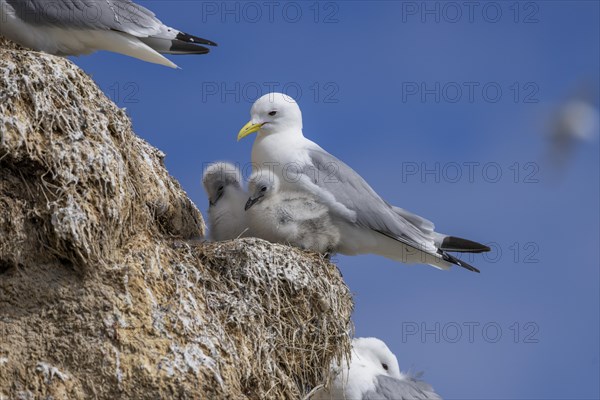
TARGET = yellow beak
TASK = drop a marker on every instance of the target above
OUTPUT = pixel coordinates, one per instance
(248, 129)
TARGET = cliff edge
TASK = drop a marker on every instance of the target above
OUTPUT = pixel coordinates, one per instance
(106, 288)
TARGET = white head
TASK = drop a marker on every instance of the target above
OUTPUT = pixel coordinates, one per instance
(218, 178)
(261, 185)
(273, 113)
(374, 355)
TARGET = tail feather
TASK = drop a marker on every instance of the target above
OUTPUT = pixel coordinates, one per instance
(459, 245)
(126, 44)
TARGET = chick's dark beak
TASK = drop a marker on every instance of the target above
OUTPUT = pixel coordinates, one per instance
(219, 195)
(251, 201)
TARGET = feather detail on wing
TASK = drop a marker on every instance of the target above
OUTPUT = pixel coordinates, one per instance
(336, 179)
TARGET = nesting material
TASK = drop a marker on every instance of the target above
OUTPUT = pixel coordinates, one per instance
(105, 289)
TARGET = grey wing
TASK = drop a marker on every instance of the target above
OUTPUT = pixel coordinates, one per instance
(351, 190)
(120, 15)
(388, 388)
(423, 224)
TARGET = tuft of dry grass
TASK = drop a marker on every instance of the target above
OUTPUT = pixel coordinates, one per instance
(305, 306)
(106, 290)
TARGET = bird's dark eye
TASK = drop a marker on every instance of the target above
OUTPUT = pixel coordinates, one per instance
(264, 189)
(385, 366)
(272, 113)
(220, 188)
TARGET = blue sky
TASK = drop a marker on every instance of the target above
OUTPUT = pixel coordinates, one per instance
(397, 89)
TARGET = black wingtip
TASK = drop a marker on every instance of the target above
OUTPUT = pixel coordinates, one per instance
(460, 245)
(185, 37)
(179, 47)
(460, 263)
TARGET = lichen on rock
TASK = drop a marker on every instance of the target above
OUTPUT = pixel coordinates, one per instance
(106, 288)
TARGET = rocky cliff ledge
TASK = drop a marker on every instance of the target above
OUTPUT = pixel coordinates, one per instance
(107, 291)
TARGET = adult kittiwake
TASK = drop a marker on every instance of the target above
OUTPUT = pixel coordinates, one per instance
(367, 223)
(226, 197)
(373, 373)
(74, 27)
(575, 122)
(294, 218)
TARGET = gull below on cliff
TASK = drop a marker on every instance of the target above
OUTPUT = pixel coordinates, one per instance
(367, 223)
(292, 218)
(373, 373)
(226, 198)
(74, 27)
